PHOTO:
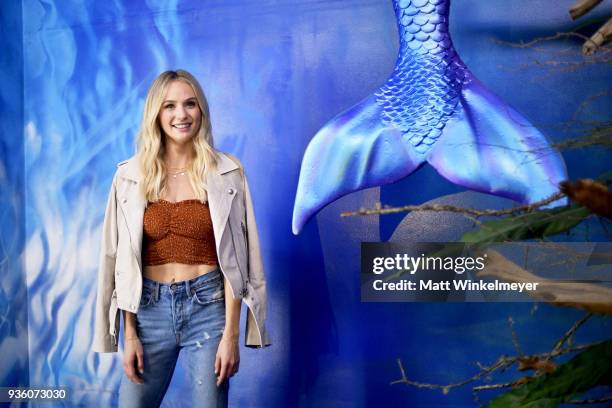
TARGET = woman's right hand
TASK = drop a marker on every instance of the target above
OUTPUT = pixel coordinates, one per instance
(133, 359)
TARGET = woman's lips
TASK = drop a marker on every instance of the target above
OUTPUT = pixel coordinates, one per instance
(182, 127)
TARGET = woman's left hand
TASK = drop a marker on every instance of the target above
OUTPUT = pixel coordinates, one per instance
(227, 359)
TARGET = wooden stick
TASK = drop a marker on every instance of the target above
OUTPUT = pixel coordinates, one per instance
(582, 7)
(586, 296)
(600, 37)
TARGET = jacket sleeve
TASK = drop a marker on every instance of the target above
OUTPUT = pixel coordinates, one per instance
(256, 270)
(103, 341)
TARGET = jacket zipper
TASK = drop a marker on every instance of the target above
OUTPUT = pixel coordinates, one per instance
(246, 242)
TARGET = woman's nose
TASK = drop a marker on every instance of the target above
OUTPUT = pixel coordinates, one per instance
(181, 112)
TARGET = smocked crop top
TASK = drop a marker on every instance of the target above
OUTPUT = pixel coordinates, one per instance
(180, 232)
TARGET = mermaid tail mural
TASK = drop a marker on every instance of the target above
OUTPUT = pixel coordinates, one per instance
(432, 109)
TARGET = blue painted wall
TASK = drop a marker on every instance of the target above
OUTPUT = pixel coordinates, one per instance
(274, 73)
(14, 369)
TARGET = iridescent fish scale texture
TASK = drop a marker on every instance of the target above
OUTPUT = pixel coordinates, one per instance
(423, 91)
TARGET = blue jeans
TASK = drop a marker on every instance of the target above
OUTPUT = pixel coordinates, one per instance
(186, 316)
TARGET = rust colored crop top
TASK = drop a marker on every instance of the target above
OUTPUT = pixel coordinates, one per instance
(179, 232)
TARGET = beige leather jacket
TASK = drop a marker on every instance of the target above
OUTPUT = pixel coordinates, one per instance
(236, 237)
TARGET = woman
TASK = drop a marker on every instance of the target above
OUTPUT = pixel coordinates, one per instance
(180, 248)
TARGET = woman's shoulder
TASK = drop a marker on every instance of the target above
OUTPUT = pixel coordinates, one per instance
(223, 156)
(131, 159)
(127, 167)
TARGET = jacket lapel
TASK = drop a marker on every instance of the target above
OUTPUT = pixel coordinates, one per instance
(133, 203)
(221, 193)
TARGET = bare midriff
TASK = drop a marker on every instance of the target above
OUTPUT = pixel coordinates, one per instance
(176, 272)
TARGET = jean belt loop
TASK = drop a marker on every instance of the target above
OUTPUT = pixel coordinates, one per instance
(188, 288)
(156, 292)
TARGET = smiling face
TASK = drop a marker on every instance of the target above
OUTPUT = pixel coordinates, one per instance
(180, 116)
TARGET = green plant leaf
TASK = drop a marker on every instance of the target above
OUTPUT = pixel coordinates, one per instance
(532, 225)
(588, 369)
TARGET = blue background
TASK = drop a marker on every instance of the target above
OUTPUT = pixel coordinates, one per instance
(74, 77)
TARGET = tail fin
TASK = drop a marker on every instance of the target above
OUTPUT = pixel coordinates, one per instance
(353, 151)
(487, 146)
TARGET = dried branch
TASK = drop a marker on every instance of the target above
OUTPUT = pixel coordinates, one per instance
(494, 386)
(584, 126)
(591, 194)
(588, 101)
(450, 208)
(567, 66)
(597, 42)
(501, 363)
(600, 136)
(515, 340)
(568, 334)
(600, 37)
(582, 7)
(592, 298)
(538, 40)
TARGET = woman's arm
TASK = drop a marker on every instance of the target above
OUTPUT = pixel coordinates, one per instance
(132, 349)
(129, 324)
(232, 314)
(228, 355)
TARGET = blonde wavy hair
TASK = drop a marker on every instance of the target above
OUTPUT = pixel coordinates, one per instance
(150, 145)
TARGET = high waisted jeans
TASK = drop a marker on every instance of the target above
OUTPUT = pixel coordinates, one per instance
(187, 316)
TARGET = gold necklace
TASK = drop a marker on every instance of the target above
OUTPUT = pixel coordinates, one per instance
(178, 173)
